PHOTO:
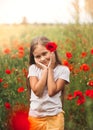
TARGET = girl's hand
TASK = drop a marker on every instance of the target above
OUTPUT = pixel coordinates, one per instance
(52, 60)
(40, 65)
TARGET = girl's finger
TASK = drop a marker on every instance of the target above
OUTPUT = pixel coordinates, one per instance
(49, 62)
(41, 64)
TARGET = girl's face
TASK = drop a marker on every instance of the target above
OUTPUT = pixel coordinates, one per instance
(41, 54)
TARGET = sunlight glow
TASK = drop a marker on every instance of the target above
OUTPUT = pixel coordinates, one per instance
(37, 11)
(49, 11)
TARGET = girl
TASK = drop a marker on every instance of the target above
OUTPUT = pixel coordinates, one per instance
(47, 78)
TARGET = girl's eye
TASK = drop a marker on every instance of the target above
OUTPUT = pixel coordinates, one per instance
(37, 57)
(44, 53)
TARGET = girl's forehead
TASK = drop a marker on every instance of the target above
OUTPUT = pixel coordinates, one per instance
(39, 48)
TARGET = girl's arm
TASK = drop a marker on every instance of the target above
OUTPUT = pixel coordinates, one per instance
(38, 85)
(54, 87)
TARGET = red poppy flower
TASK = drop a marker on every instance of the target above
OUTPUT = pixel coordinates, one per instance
(20, 121)
(70, 97)
(81, 98)
(90, 83)
(7, 105)
(85, 67)
(71, 67)
(21, 48)
(77, 93)
(69, 55)
(8, 71)
(1, 80)
(89, 93)
(51, 46)
(65, 62)
(5, 85)
(20, 89)
(7, 51)
(92, 51)
(20, 54)
(83, 54)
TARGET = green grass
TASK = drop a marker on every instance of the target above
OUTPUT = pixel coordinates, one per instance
(74, 39)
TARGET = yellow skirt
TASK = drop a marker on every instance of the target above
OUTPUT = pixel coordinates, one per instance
(47, 123)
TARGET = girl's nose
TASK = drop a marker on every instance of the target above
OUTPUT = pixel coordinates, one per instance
(42, 58)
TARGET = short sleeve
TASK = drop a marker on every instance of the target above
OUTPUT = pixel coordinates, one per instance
(33, 71)
(65, 73)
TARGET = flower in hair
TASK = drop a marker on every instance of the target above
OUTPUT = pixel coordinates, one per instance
(51, 46)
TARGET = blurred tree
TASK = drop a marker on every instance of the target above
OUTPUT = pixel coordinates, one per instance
(24, 20)
(89, 7)
(77, 10)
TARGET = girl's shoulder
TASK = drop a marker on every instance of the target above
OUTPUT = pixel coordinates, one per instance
(62, 67)
(62, 72)
(33, 67)
(33, 70)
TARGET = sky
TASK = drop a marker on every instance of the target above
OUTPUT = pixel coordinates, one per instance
(39, 11)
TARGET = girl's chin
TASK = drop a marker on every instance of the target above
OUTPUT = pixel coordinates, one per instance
(46, 64)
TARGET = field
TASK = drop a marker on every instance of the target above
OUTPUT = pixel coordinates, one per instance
(75, 48)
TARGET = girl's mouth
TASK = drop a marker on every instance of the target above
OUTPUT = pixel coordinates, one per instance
(45, 63)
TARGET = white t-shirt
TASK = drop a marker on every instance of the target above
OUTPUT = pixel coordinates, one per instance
(46, 105)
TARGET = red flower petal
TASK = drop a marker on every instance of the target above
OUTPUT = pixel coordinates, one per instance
(69, 55)
(70, 97)
(65, 62)
(77, 93)
(20, 89)
(7, 51)
(7, 105)
(89, 93)
(92, 51)
(20, 121)
(8, 71)
(90, 83)
(51, 46)
(1, 80)
(85, 67)
(83, 54)
(81, 100)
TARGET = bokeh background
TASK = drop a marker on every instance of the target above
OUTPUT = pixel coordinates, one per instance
(46, 11)
(70, 24)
